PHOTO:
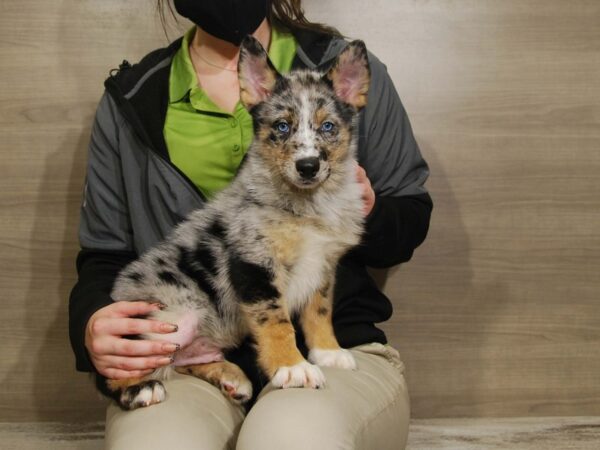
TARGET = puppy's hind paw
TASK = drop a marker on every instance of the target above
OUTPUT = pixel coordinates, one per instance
(146, 393)
(302, 374)
(340, 358)
(238, 389)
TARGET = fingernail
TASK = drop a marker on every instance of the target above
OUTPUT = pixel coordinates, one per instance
(159, 304)
(171, 348)
(168, 360)
(169, 327)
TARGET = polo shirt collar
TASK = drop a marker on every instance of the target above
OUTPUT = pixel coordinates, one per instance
(184, 84)
(182, 70)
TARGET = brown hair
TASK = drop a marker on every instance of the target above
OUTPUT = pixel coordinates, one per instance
(290, 14)
(286, 13)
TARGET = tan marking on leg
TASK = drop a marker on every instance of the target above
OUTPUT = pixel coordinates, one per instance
(212, 372)
(274, 334)
(226, 376)
(316, 323)
(117, 385)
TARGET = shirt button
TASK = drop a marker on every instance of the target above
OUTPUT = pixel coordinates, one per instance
(233, 122)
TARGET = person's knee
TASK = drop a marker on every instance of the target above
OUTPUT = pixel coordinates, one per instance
(194, 416)
(358, 410)
(295, 419)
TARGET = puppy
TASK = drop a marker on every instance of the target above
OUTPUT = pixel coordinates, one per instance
(267, 246)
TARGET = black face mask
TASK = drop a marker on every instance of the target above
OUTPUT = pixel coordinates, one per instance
(230, 20)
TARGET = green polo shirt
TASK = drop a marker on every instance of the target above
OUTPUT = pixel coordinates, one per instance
(205, 142)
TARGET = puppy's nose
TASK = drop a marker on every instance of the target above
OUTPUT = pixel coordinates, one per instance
(307, 167)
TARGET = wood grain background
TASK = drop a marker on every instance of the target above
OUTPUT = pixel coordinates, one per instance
(497, 314)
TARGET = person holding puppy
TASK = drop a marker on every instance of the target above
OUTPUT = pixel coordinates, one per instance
(169, 133)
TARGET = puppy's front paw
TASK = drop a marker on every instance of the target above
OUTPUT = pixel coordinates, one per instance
(302, 374)
(144, 394)
(339, 358)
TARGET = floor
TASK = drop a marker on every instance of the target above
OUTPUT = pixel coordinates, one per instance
(557, 433)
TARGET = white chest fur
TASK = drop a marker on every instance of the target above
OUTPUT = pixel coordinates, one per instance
(319, 253)
(337, 227)
(308, 273)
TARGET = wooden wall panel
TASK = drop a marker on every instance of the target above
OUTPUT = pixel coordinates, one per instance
(55, 57)
(497, 313)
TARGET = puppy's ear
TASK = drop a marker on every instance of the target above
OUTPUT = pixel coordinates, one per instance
(350, 75)
(256, 74)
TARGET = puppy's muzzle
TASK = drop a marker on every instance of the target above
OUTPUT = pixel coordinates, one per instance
(307, 168)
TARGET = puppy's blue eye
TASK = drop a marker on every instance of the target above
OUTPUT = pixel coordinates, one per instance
(283, 127)
(327, 126)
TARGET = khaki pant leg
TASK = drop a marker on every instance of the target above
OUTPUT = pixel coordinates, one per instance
(195, 415)
(366, 409)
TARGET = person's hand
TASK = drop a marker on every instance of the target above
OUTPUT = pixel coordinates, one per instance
(368, 195)
(116, 357)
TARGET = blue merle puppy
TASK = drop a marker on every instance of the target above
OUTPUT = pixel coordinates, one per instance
(267, 246)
